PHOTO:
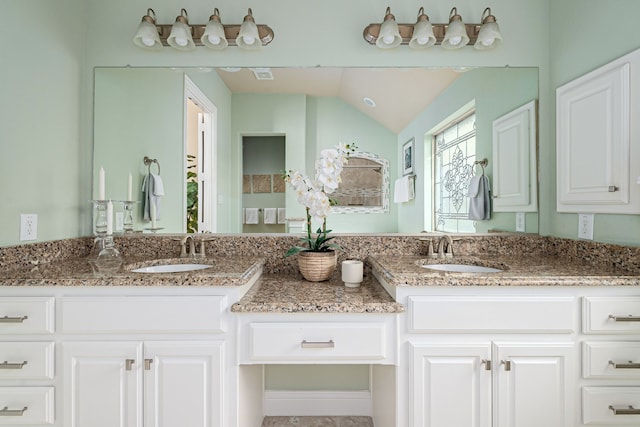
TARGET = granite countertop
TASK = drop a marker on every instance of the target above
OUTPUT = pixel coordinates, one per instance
(224, 271)
(281, 294)
(520, 270)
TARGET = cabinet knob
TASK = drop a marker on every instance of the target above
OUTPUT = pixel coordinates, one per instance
(507, 364)
(147, 364)
(487, 364)
(128, 364)
(613, 189)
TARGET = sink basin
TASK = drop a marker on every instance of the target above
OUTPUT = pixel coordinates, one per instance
(461, 268)
(171, 268)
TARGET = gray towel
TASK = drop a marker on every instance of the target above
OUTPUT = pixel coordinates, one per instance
(153, 189)
(479, 198)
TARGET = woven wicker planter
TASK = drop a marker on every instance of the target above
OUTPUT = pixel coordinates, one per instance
(317, 266)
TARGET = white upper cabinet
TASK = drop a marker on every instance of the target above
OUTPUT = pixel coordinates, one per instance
(514, 154)
(597, 144)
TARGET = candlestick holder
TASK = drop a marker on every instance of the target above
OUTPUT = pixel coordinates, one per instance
(101, 217)
(109, 259)
(128, 216)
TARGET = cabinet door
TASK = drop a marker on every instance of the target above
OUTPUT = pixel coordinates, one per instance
(103, 384)
(183, 384)
(515, 164)
(451, 385)
(533, 385)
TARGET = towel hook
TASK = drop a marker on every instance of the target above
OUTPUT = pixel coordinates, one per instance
(483, 163)
(148, 161)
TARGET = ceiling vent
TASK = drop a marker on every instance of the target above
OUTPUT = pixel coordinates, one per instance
(262, 73)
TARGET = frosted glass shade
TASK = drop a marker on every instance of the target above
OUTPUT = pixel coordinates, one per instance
(389, 36)
(248, 37)
(180, 37)
(422, 36)
(456, 36)
(147, 36)
(489, 36)
(214, 37)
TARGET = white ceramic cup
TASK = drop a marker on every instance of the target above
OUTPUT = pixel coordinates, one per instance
(352, 273)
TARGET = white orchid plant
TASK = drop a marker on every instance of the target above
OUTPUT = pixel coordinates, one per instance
(314, 195)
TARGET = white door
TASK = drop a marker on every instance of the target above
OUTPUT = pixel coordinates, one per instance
(451, 385)
(533, 385)
(183, 384)
(103, 384)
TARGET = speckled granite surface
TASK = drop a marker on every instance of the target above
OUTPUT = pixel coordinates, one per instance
(524, 270)
(224, 271)
(280, 294)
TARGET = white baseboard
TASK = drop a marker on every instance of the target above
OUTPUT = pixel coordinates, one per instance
(317, 403)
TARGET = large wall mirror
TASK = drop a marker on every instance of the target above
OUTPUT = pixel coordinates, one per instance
(148, 112)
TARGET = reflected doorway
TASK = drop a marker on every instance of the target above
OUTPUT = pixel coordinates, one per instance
(263, 189)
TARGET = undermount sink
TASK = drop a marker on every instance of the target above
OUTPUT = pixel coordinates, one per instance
(461, 268)
(170, 268)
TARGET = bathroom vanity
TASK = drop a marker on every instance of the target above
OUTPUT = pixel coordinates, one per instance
(547, 340)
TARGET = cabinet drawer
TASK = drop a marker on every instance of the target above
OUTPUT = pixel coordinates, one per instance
(611, 315)
(166, 314)
(599, 403)
(492, 314)
(26, 405)
(611, 359)
(26, 360)
(28, 315)
(309, 342)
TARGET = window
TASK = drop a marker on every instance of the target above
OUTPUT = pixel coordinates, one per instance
(454, 154)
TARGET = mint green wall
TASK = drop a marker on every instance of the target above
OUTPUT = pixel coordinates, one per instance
(331, 121)
(41, 152)
(572, 54)
(496, 91)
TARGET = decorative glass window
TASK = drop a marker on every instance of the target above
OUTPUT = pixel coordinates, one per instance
(455, 152)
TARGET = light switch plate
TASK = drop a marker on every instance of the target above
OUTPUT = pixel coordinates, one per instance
(520, 222)
(28, 227)
(585, 226)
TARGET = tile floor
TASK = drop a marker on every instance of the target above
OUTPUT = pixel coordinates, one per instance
(317, 422)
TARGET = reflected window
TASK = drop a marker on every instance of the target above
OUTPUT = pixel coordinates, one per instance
(455, 153)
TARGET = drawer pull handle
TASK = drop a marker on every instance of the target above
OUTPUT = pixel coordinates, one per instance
(629, 365)
(625, 411)
(487, 364)
(19, 319)
(613, 189)
(628, 318)
(6, 412)
(507, 364)
(128, 364)
(147, 364)
(7, 365)
(317, 344)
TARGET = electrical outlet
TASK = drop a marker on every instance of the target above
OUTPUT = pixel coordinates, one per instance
(585, 226)
(28, 227)
(520, 224)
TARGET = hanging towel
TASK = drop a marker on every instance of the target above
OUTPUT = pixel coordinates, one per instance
(282, 216)
(251, 216)
(153, 189)
(403, 189)
(480, 198)
(270, 215)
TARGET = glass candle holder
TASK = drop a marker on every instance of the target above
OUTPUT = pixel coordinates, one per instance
(101, 217)
(128, 216)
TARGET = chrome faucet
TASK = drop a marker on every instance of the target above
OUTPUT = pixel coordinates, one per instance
(445, 247)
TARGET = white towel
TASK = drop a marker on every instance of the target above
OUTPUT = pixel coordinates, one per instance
(403, 189)
(282, 216)
(153, 189)
(251, 216)
(270, 215)
(479, 198)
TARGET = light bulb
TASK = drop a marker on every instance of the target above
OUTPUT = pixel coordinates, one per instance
(422, 40)
(147, 41)
(181, 41)
(488, 42)
(455, 40)
(388, 39)
(214, 39)
(249, 40)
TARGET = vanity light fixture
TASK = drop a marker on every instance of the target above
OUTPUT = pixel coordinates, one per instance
(180, 37)
(213, 35)
(422, 36)
(489, 35)
(147, 36)
(389, 34)
(454, 34)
